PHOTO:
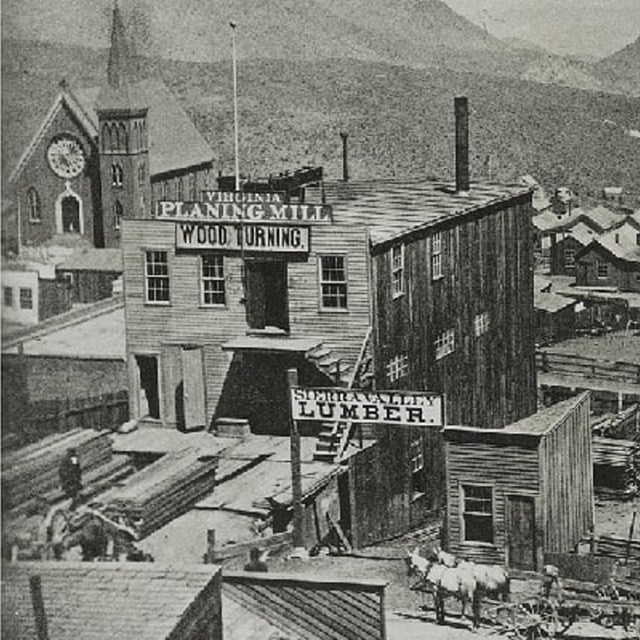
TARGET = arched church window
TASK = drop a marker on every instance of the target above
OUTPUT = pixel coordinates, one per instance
(115, 138)
(124, 146)
(118, 214)
(106, 138)
(33, 201)
(141, 173)
(117, 175)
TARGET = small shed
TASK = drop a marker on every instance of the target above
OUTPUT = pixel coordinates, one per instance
(555, 317)
(107, 601)
(516, 493)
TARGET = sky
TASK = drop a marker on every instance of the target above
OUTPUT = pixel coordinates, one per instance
(568, 27)
(588, 28)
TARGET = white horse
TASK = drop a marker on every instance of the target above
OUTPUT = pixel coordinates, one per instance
(491, 579)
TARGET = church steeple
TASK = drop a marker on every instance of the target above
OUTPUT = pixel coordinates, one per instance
(120, 63)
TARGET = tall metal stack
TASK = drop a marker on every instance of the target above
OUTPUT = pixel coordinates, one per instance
(162, 491)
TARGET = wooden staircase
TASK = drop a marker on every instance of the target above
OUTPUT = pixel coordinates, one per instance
(334, 437)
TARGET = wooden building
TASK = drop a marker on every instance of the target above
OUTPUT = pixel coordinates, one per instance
(106, 153)
(565, 246)
(516, 493)
(89, 275)
(94, 601)
(612, 260)
(555, 317)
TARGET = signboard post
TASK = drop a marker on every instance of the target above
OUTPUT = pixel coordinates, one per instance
(296, 472)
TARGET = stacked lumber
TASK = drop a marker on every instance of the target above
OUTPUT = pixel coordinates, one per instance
(160, 492)
(31, 473)
(612, 453)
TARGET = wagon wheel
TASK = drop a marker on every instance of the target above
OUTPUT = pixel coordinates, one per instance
(538, 618)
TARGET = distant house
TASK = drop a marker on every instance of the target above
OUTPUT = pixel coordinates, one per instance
(31, 293)
(555, 317)
(564, 247)
(612, 260)
(89, 276)
(111, 600)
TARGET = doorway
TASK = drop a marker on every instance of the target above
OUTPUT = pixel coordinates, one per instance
(148, 395)
(267, 295)
(521, 533)
(193, 389)
(70, 215)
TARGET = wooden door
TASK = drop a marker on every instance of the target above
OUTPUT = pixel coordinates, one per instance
(521, 524)
(276, 298)
(255, 295)
(194, 395)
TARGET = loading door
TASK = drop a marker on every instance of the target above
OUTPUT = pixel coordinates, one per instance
(267, 296)
(194, 394)
(521, 532)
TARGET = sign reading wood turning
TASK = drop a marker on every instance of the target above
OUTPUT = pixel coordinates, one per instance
(229, 237)
(378, 407)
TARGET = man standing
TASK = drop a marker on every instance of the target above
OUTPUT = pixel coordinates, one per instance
(71, 477)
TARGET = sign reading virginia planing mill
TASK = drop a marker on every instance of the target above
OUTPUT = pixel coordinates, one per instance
(236, 206)
(263, 238)
(380, 407)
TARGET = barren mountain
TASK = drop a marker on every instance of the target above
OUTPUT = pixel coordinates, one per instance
(622, 68)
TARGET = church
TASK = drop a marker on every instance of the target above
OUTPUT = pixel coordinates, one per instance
(107, 153)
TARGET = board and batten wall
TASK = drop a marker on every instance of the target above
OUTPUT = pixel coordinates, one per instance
(162, 330)
(566, 467)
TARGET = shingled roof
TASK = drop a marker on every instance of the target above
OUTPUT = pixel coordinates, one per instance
(103, 601)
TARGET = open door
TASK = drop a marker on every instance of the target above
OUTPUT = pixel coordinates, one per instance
(267, 295)
(521, 524)
(193, 390)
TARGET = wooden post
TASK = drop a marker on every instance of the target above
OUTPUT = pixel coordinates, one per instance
(296, 472)
(211, 545)
(35, 584)
(631, 528)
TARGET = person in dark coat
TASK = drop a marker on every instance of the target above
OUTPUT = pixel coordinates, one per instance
(71, 477)
(256, 563)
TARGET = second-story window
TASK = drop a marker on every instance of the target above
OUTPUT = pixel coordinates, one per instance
(398, 367)
(436, 256)
(445, 344)
(212, 279)
(157, 277)
(481, 324)
(397, 270)
(117, 175)
(333, 282)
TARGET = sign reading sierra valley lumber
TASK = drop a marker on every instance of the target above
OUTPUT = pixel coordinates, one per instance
(379, 407)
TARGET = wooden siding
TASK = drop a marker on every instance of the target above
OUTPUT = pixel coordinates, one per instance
(488, 380)
(163, 329)
(623, 274)
(567, 471)
(312, 608)
(510, 470)
(558, 261)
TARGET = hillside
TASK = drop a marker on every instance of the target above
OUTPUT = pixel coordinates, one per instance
(622, 68)
(400, 120)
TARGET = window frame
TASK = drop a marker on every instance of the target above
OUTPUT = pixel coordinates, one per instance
(397, 367)
(219, 279)
(35, 205)
(118, 214)
(569, 263)
(445, 344)
(417, 463)
(7, 297)
(117, 175)
(397, 257)
(23, 298)
(481, 323)
(437, 272)
(602, 263)
(147, 301)
(463, 487)
(344, 283)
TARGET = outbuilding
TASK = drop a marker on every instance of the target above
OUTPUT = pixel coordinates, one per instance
(516, 493)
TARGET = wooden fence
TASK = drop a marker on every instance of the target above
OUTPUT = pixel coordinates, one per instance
(310, 607)
(43, 418)
(581, 366)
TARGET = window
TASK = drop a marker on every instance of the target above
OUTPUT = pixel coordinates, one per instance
(33, 202)
(477, 513)
(445, 344)
(436, 256)
(67, 278)
(213, 288)
(157, 276)
(118, 214)
(164, 190)
(26, 298)
(8, 296)
(117, 175)
(398, 367)
(569, 258)
(397, 271)
(179, 189)
(416, 455)
(602, 269)
(333, 282)
(193, 190)
(141, 173)
(481, 324)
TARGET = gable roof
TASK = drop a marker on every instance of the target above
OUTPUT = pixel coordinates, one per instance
(616, 243)
(102, 601)
(599, 219)
(174, 141)
(93, 260)
(551, 302)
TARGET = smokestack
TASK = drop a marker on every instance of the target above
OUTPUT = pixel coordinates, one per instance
(35, 585)
(462, 144)
(345, 157)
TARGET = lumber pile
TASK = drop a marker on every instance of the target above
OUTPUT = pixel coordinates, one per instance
(31, 473)
(160, 492)
(612, 453)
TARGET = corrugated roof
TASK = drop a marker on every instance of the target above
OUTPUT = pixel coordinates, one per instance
(101, 601)
(392, 208)
(551, 302)
(174, 141)
(94, 260)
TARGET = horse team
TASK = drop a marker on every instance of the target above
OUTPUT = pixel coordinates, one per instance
(469, 582)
